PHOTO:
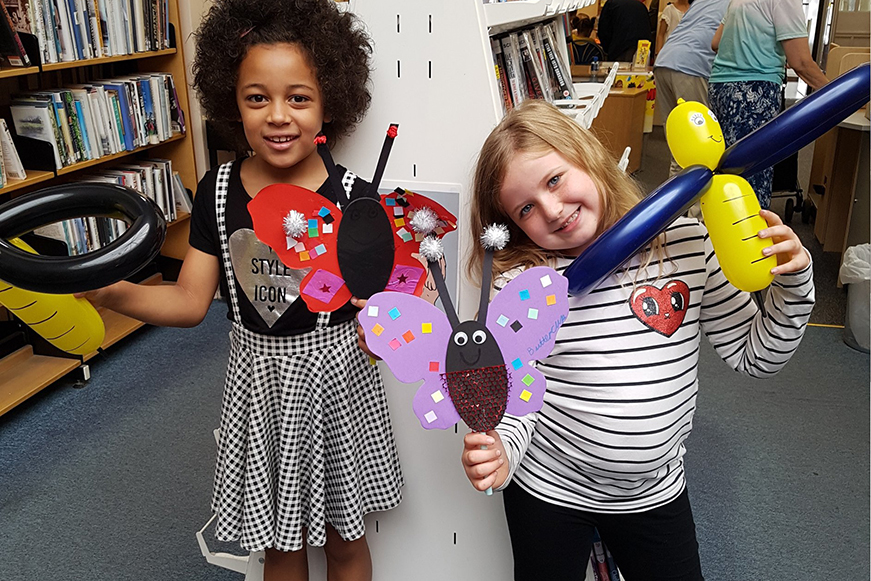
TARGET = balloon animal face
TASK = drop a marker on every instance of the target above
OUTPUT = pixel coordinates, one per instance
(694, 135)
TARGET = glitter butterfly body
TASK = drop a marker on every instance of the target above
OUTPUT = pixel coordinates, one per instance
(361, 251)
(467, 367)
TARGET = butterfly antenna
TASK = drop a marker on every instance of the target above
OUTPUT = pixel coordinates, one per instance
(382, 160)
(494, 237)
(431, 248)
(335, 179)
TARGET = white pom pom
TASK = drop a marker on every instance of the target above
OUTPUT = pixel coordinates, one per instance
(424, 221)
(495, 237)
(431, 248)
(294, 224)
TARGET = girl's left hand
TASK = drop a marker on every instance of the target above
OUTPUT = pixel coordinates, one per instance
(791, 255)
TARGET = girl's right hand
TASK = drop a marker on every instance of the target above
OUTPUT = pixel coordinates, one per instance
(97, 297)
(361, 334)
(484, 468)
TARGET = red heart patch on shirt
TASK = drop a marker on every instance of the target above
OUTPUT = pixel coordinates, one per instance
(662, 310)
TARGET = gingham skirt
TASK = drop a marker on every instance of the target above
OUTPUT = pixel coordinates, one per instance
(305, 440)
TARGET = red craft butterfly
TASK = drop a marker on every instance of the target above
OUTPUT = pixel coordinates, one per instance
(365, 247)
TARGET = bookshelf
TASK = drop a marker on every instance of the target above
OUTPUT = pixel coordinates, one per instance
(27, 369)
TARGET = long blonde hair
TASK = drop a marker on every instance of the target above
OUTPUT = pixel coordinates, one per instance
(538, 127)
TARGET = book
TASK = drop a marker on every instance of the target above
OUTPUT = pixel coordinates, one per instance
(10, 43)
(599, 551)
(563, 87)
(614, 574)
(13, 166)
(35, 119)
(530, 69)
(513, 70)
(501, 78)
(183, 200)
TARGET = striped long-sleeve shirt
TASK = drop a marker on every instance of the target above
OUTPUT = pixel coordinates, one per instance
(622, 378)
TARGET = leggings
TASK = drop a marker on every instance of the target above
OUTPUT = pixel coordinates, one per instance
(553, 542)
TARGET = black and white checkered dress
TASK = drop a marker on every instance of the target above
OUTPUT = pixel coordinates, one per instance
(305, 436)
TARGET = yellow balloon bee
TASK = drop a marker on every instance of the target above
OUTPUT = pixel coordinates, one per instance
(729, 204)
(70, 324)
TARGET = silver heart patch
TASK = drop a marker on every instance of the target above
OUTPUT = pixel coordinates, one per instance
(269, 285)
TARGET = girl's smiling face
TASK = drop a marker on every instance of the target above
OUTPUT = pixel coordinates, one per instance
(555, 203)
(280, 105)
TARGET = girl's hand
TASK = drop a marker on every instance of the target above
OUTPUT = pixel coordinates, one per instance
(791, 255)
(484, 468)
(361, 334)
(98, 297)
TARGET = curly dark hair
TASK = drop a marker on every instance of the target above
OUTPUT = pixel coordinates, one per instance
(335, 43)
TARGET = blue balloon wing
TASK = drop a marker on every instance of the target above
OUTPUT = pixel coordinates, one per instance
(636, 229)
(798, 125)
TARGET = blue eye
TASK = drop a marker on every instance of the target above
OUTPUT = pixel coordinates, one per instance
(525, 209)
(553, 181)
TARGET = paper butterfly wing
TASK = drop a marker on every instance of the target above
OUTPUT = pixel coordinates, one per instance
(411, 336)
(524, 317)
(323, 289)
(408, 276)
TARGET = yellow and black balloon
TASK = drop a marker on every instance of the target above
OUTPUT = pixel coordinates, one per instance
(70, 324)
(729, 204)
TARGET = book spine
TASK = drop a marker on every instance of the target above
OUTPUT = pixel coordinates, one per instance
(553, 62)
(75, 126)
(21, 59)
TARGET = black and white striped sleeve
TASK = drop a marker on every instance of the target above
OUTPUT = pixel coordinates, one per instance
(758, 342)
(516, 433)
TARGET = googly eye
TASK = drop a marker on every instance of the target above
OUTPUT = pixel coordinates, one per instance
(461, 339)
(479, 337)
(697, 119)
(714, 117)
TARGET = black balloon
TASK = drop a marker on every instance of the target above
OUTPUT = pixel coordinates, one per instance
(135, 248)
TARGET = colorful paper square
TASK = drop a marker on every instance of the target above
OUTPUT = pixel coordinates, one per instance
(517, 364)
(399, 222)
(323, 285)
(327, 228)
(390, 202)
(313, 252)
(434, 366)
(372, 311)
(304, 257)
(312, 232)
(404, 278)
(516, 326)
(405, 235)
(313, 223)
(532, 314)
(502, 320)
(300, 247)
(398, 211)
(328, 219)
(528, 380)
(321, 249)
(394, 313)
(545, 281)
(551, 300)
(525, 395)
(430, 416)
(426, 328)
(323, 212)
(395, 344)
(408, 336)
(377, 329)
(524, 295)
(437, 396)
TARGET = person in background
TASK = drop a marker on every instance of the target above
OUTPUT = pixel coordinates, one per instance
(683, 65)
(669, 19)
(753, 43)
(622, 24)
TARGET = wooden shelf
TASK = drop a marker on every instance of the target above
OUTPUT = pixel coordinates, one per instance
(18, 72)
(48, 67)
(120, 155)
(23, 374)
(33, 177)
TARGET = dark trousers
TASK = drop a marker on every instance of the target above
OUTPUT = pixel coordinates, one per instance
(553, 543)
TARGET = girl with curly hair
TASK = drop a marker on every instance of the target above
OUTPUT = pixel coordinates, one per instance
(306, 447)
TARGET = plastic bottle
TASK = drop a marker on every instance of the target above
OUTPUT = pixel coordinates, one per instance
(594, 69)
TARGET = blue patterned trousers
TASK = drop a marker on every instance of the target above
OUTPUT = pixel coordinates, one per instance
(742, 107)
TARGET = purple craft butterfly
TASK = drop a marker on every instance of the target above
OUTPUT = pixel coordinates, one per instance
(417, 341)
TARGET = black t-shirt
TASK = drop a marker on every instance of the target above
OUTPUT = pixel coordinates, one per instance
(267, 290)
